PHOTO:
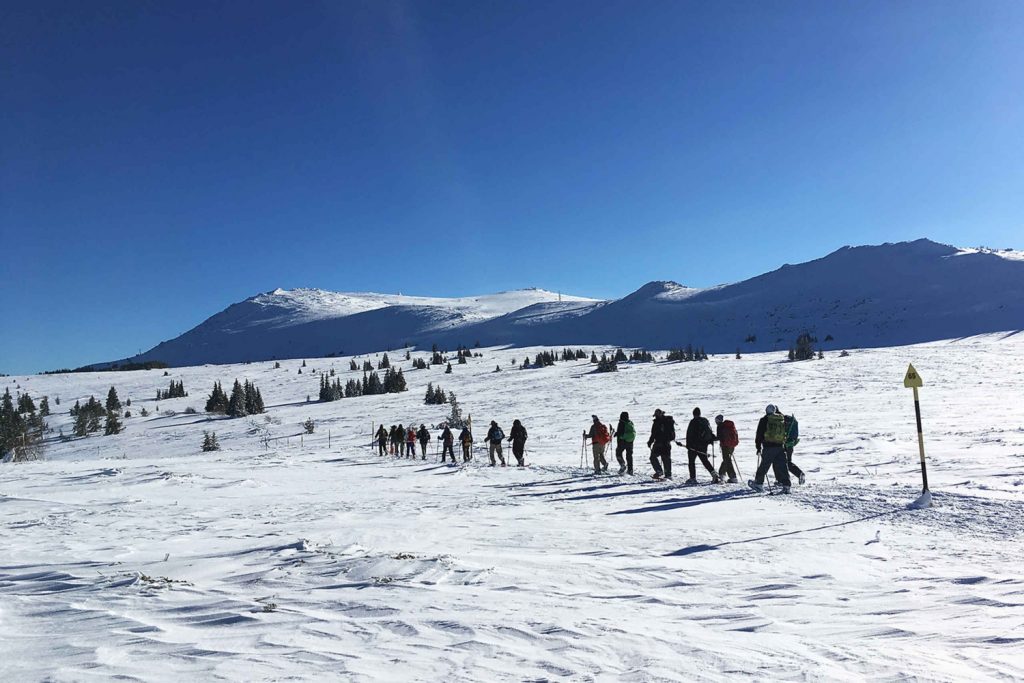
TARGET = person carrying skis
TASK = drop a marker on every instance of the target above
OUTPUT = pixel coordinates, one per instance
(599, 439)
(698, 437)
(446, 443)
(410, 443)
(518, 436)
(494, 438)
(625, 434)
(792, 439)
(728, 439)
(424, 437)
(382, 441)
(770, 444)
(663, 433)
(466, 439)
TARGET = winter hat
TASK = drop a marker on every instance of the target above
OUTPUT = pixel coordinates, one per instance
(696, 412)
(770, 409)
(659, 412)
(719, 419)
(623, 415)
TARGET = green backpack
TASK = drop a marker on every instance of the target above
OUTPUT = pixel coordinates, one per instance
(775, 430)
(628, 432)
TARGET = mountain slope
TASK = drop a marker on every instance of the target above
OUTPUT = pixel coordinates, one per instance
(860, 296)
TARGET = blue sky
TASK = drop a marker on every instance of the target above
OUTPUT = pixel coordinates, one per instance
(159, 161)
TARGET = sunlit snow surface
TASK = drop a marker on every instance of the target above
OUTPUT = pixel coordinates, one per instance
(138, 556)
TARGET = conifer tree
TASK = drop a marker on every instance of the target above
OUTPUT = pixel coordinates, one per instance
(113, 425)
(113, 402)
(448, 370)
(236, 403)
(26, 404)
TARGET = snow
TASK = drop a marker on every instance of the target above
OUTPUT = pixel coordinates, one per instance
(138, 556)
(846, 300)
(1008, 254)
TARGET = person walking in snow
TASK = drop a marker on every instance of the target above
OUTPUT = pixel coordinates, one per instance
(792, 439)
(424, 437)
(599, 439)
(410, 443)
(663, 433)
(400, 440)
(728, 439)
(393, 438)
(698, 437)
(518, 436)
(770, 444)
(382, 441)
(446, 443)
(625, 434)
(494, 438)
(466, 440)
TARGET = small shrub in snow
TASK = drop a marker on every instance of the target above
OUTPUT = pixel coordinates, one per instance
(309, 425)
(210, 442)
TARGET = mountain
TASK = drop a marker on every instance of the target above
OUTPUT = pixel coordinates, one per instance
(867, 296)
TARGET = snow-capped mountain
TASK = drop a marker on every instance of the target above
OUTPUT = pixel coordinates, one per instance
(867, 296)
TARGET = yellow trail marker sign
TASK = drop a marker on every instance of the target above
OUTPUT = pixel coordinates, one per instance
(912, 380)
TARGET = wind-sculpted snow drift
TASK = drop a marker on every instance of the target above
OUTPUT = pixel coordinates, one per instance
(873, 296)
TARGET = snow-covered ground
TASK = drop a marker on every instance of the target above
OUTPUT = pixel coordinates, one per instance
(138, 556)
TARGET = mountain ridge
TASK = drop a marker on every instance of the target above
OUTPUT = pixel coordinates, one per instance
(870, 295)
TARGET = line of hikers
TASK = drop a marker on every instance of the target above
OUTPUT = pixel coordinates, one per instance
(776, 437)
(774, 440)
(401, 442)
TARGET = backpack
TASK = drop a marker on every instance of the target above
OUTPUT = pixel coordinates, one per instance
(792, 431)
(601, 436)
(775, 429)
(664, 429)
(628, 432)
(730, 439)
(707, 435)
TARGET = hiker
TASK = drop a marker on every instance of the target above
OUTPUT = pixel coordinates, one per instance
(400, 440)
(382, 441)
(494, 438)
(466, 439)
(663, 433)
(792, 439)
(424, 436)
(410, 443)
(625, 434)
(393, 439)
(599, 439)
(698, 437)
(769, 442)
(446, 443)
(518, 436)
(728, 439)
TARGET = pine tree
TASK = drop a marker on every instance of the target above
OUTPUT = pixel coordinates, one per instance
(455, 414)
(210, 442)
(620, 357)
(44, 406)
(738, 353)
(384, 363)
(236, 404)
(448, 370)
(593, 356)
(113, 425)
(81, 427)
(429, 398)
(309, 425)
(26, 404)
(113, 402)
(92, 423)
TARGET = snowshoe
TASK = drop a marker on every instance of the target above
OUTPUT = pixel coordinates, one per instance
(621, 470)
(658, 476)
(690, 482)
(754, 485)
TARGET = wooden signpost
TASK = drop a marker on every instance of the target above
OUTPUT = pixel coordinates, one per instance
(912, 380)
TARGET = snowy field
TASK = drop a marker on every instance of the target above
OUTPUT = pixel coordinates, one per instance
(139, 557)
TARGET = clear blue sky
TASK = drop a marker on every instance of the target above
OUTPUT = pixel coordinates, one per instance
(159, 161)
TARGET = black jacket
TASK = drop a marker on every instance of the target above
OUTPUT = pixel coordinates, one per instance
(699, 434)
(517, 434)
(423, 435)
(663, 431)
